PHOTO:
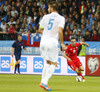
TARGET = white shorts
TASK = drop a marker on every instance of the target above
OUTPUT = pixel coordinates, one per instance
(49, 50)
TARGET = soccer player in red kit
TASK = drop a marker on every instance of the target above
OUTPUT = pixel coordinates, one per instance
(71, 55)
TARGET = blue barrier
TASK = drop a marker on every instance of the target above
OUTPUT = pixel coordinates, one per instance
(5, 48)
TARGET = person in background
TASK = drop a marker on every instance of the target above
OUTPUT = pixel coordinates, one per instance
(87, 36)
(17, 48)
(95, 36)
(81, 49)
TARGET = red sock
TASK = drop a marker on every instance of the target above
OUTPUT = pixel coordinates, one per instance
(79, 74)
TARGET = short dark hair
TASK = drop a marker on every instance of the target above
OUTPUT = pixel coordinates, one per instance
(54, 5)
(66, 44)
(19, 34)
(73, 38)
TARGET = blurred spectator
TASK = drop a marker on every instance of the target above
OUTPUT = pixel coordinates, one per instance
(27, 10)
(75, 30)
(17, 28)
(2, 2)
(34, 29)
(30, 29)
(25, 23)
(98, 17)
(90, 13)
(73, 24)
(40, 17)
(65, 6)
(3, 25)
(81, 8)
(77, 18)
(66, 18)
(8, 17)
(88, 25)
(43, 5)
(95, 36)
(37, 7)
(83, 29)
(98, 28)
(19, 23)
(28, 18)
(92, 18)
(93, 6)
(86, 12)
(97, 10)
(32, 23)
(60, 6)
(68, 30)
(83, 21)
(14, 11)
(35, 16)
(71, 35)
(15, 16)
(12, 21)
(66, 36)
(12, 31)
(7, 28)
(6, 6)
(75, 7)
(95, 23)
(78, 35)
(63, 12)
(23, 29)
(21, 17)
(29, 6)
(69, 22)
(87, 36)
(83, 18)
(2, 12)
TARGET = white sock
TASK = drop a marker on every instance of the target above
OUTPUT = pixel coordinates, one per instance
(49, 73)
(46, 67)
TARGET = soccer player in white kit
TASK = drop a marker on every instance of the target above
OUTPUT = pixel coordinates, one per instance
(52, 25)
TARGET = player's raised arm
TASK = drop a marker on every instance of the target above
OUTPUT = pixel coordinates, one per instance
(84, 44)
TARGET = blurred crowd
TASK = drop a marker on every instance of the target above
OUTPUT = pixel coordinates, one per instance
(82, 17)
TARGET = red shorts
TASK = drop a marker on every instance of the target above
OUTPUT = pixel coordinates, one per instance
(74, 64)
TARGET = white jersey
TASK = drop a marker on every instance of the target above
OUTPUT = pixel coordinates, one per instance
(49, 41)
(51, 23)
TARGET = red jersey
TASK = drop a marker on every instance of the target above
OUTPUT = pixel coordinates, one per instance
(72, 51)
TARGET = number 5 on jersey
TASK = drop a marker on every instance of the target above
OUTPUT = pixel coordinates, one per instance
(50, 24)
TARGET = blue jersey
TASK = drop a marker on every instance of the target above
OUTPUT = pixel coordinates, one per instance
(18, 46)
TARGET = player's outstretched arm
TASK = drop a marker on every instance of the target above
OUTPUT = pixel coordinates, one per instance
(64, 55)
(85, 44)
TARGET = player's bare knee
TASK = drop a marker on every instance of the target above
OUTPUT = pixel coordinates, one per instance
(82, 68)
(18, 61)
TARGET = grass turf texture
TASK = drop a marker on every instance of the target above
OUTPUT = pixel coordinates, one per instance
(30, 83)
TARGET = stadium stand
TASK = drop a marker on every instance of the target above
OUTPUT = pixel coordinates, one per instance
(82, 18)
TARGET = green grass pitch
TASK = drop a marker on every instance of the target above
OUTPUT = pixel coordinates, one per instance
(30, 83)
